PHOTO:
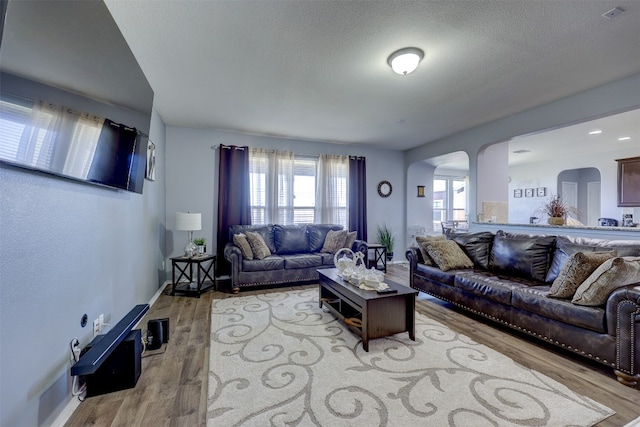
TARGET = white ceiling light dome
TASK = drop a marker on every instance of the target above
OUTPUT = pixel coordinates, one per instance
(406, 60)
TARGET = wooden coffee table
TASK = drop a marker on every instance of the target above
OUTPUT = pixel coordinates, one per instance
(368, 313)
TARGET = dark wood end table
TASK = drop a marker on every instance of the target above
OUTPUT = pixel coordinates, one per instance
(367, 313)
(379, 256)
(205, 275)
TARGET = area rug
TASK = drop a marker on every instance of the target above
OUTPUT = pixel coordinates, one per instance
(277, 359)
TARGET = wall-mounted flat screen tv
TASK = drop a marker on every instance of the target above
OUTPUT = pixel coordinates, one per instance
(50, 138)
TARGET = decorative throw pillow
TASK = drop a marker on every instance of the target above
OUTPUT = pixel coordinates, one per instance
(350, 239)
(477, 246)
(578, 267)
(240, 240)
(258, 245)
(612, 274)
(422, 241)
(334, 241)
(448, 255)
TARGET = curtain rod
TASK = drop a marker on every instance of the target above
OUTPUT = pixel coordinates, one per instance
(215, 147)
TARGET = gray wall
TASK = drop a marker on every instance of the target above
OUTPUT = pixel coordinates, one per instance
(192, 177)
(68, 248)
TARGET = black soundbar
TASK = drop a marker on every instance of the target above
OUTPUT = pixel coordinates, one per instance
(91, 360)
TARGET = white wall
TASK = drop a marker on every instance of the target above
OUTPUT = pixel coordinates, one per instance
(192, 177)
(621, 95)
(493, 174)
(68, 248)
(530, 176)
(419, 209)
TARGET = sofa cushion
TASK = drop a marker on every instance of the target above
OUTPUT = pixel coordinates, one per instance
(317, 234)
(258, 245)
(477, 246)
(521, 255)
(294, 261)
(448, 255)
(334, 241)
(350, 239)
(435, 274)
(612, 274)
(327, 259)
(422, 241)
(578, 267)
(490, 286)
(240, 240)
(568, 245)
(272, 262)
(290, 239)
(534, 300)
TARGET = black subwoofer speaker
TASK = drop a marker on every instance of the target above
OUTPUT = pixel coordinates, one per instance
(120, 370)
(157, 333)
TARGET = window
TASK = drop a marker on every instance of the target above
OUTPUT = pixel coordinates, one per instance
(449, 200)
(289, 189)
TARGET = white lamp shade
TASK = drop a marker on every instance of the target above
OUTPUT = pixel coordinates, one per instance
(186, 221)
(404, 61)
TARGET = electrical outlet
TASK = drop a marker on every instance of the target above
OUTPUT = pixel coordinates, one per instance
(101, 318)
(96, 327)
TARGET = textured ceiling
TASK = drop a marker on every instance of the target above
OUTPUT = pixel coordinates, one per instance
(317, 70)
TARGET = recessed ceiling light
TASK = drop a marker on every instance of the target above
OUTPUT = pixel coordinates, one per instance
(595, 132)
(624, 138)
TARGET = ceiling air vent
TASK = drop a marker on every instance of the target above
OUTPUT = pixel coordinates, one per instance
(613, 13)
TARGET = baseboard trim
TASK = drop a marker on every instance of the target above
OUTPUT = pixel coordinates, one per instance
(74, 402)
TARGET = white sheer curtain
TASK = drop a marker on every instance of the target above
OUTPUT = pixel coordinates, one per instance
(272, 177)
(331, 189)
(39, 135)
(84, 140)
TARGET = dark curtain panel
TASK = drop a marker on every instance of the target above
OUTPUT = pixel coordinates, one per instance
(358, 196)
(233, 196)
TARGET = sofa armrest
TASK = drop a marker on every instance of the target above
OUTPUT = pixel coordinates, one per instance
(233, 254)
(623, 321)
(362, 247)
(414, 256)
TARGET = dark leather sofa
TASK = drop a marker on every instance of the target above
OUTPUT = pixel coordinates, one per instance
(295, 255)
(509, 283)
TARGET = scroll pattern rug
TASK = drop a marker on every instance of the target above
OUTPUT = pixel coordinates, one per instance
(277, 359)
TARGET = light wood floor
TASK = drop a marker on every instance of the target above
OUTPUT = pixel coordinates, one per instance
(172, 388)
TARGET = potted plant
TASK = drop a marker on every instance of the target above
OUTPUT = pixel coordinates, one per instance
(556, 209)
(385, 238)
(201, 243)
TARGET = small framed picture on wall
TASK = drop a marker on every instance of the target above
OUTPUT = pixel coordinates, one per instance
(528, 192)
(541, 191)
(517, 193)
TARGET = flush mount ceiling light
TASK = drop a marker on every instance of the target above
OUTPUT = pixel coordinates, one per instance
(406, 60)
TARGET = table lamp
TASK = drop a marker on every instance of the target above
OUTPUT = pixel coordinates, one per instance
(186, 221)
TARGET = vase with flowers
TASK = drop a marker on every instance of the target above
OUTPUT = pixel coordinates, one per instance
(556, 209)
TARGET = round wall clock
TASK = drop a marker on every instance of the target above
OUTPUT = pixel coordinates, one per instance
(384, 189)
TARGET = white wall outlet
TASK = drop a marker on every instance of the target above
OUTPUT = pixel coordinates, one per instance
(96, 327)
(101, 319)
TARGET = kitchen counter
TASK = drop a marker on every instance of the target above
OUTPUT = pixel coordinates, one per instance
(632, 233)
